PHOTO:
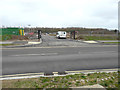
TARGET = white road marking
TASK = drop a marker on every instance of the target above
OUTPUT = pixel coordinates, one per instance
(63, 47)
(101, 52)
(42, 54)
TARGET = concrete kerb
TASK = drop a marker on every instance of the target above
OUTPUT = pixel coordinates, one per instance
(89, 42)
(99, 42)
(34, 43)
(92, 42)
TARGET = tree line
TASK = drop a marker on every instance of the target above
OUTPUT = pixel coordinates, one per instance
(70, 29)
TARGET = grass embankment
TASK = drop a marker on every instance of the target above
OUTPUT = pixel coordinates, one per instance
(5, 37)
(8, 44)
(12, 37)
(52, 34)
(97, 38)
(108, 80)
(112, 42)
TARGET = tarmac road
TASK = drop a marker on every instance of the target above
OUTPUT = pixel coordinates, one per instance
(53, 41)
(48, 60)
(58, 59)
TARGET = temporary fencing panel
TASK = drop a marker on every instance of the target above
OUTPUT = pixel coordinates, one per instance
(11, 31)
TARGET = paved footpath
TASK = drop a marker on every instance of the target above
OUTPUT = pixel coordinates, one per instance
(108, 41)
(6, 42)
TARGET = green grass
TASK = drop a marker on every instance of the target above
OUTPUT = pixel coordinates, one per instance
(108, 80)
(97, 38)
(8, 44)
(52, 34)
(112, 42)
(5, 37)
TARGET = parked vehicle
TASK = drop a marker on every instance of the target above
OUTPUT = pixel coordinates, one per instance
(61, 34)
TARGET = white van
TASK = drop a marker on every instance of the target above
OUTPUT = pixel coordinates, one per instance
(61, 34)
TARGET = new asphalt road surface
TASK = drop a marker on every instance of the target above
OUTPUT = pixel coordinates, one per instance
(58, 59)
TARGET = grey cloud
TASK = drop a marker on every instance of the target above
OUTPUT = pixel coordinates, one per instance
(44, 13)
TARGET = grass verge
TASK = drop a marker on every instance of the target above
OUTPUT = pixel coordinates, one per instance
(97, 38)
(108, 80)
(112, 42)
(8, 44)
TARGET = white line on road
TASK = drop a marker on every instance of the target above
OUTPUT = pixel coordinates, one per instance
(42, 54)
(62, 47)
(101, 52)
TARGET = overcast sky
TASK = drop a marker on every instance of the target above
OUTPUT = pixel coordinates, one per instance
(60, 13)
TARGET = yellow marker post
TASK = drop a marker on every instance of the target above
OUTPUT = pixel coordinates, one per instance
(21, 32)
